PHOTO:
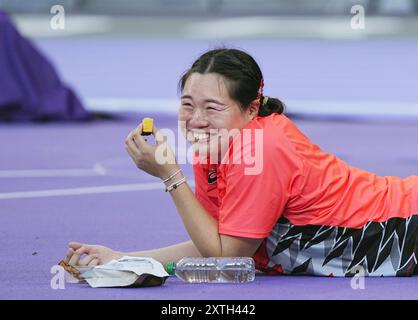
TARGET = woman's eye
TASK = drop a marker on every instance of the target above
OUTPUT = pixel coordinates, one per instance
(212, 108)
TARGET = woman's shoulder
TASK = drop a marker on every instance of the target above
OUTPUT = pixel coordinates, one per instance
(278, 129)
(276, 122)
(272, 136)
(264, 146)
(284, 140)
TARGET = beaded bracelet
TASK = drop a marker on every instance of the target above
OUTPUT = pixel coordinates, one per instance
(175, 185)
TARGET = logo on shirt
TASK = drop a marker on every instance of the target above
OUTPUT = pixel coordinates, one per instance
(212, 176)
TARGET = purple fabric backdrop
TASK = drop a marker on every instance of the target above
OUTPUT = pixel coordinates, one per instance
(30, 88)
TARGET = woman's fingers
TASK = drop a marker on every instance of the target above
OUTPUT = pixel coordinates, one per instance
(75, 245)
(159, 137)
(132, 155)
(87, 260)
(131, 134)
(131, 145)
(138, 139)
(134, 132)
(75, 258)
(68, 256)
(94, 262)
(130, 137)
(131, 142)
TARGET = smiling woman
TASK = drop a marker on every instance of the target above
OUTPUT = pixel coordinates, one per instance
(206, 108)
(304, 211)
(221, 92)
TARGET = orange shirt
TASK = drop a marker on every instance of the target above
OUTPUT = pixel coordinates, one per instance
(299, 181)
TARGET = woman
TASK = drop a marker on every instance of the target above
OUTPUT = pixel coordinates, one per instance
(304, 212)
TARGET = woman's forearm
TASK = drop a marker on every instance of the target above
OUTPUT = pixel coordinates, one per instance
(201, 226)
(167, 254)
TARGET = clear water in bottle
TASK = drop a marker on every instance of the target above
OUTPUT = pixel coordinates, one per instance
(216, 270)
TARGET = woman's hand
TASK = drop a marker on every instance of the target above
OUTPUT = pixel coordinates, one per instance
(93, 255)
(157, 160)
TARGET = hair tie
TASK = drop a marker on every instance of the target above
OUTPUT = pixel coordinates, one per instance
(265, 100)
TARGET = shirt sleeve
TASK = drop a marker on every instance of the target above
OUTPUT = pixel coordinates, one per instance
(251, 204)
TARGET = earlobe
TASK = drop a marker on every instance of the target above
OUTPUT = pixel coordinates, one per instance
(254, 107)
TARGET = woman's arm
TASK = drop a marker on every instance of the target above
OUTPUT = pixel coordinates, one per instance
(95, 254)
(201, 226)
(171, 253)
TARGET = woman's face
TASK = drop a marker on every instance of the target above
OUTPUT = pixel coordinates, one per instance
(206, 108)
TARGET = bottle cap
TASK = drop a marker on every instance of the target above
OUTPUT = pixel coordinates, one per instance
(170, 267)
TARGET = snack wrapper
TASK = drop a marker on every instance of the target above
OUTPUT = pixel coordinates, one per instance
(124, 272)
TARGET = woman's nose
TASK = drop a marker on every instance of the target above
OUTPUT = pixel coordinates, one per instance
(198, 119)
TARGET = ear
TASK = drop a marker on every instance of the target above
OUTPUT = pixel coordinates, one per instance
(253, 109)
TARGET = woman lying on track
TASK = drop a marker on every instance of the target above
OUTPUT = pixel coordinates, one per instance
(295, 209)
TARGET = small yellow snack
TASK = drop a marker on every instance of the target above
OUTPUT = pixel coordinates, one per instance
(147, 126)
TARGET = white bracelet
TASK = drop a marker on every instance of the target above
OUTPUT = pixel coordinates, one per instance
(175, 185)
(172, 176)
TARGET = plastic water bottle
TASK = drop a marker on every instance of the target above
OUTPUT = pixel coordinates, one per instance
(217, 270)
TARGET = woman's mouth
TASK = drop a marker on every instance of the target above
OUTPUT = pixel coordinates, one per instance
(198, 136)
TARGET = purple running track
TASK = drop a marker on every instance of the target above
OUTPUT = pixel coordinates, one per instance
(34, 231)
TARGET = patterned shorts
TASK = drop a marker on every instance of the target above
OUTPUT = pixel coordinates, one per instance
(378, 249)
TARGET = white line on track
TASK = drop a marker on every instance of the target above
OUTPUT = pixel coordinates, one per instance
(80, 191)
(97, 170)
(85, 190)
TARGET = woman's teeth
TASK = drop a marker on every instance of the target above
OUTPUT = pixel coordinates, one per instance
(198, 136)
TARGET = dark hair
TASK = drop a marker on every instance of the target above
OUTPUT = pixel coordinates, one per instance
(245, 80)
